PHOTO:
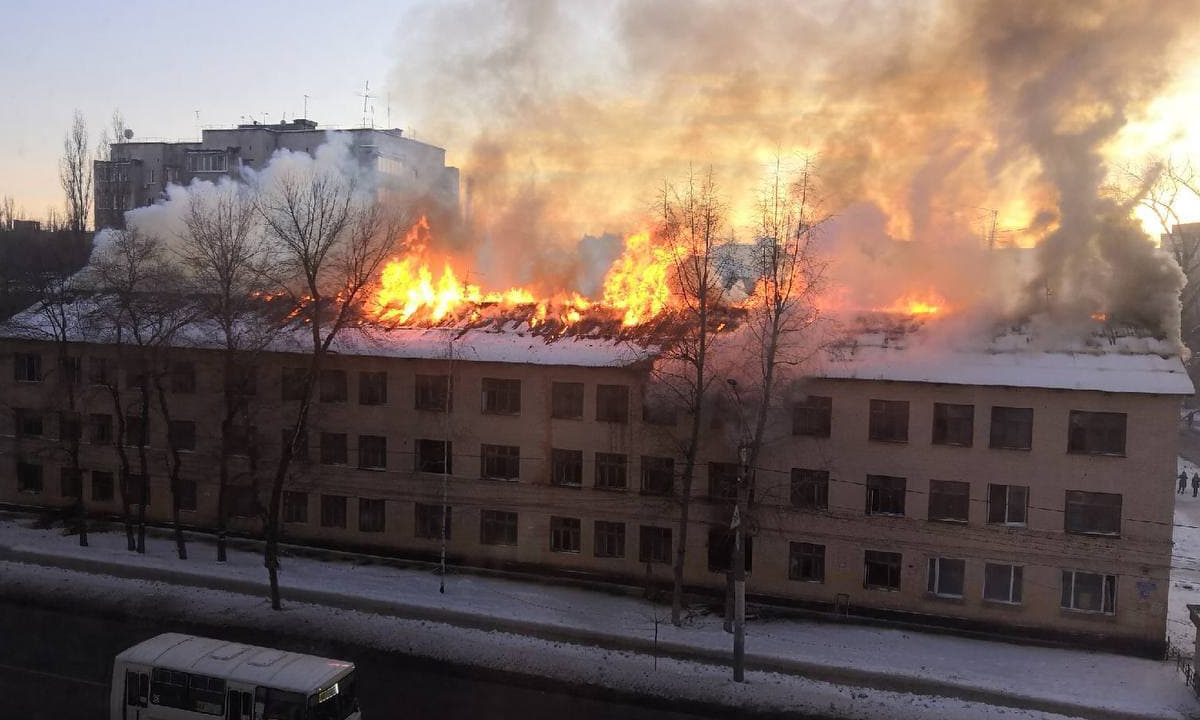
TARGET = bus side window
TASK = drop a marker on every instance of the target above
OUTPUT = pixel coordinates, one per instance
(137, 688)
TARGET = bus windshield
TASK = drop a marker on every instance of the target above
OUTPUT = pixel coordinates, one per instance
(335, 702)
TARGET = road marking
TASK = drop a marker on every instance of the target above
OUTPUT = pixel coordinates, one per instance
(55, 676)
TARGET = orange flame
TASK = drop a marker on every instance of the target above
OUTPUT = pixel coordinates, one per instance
(636, 283)
(917, 303)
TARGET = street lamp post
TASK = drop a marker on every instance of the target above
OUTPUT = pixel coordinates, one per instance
(738, 525)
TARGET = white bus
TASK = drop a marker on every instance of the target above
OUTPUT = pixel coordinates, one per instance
(183, 677)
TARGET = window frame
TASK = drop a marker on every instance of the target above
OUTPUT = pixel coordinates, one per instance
(433, 393)
(607, 535)
(813, 417)
(499, 528)
(566, 468)
(27, 367)
(566, 535)
(606, 465)
(890, 561)
(935, 573)
(1008, 493)
(880, 488)
(427, 521)
(800, 553)
(804, 478)
(330, 511)
(612, 403)
(651, 465)
(500, 396)
(1076, 508)
(1016, 583)
(885, 423)
(294, 507)
(652, 538)
(1001, 429)
(939, 489)
(424, 458)
(500, 462)
(948, 430)
(1093, 439)
(367, 453)
(1108, 592)
(375, 511)
(566, 400)
(372, 387)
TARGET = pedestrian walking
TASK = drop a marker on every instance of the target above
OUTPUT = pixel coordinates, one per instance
(1182, 482)
(1195, 484)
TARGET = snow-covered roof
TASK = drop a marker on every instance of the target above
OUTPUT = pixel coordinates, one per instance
(1121, 365)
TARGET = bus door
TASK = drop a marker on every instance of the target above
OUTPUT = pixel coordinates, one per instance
(239, 703)
(137, 694)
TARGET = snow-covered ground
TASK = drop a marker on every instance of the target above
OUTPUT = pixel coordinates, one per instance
(609, 635)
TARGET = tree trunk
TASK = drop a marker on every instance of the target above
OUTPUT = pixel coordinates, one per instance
(123, 460)
(144, 468)
(174, 467)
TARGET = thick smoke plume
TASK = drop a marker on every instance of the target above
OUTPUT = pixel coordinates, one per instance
(939, 130)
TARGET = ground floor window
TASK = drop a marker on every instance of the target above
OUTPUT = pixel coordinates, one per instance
(946, 577)
(1089, 592)
(882, 570)
(564, 534)
(497, 527)
(295, 506)
(720, 550)
(429, 521)
(1002, 583)
(333, 511)
(806, 561)
(29, 477)
(655, 545)
(371, 515)
(610, 539)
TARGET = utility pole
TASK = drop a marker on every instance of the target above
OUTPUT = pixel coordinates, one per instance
(305, 115)
(738, 525)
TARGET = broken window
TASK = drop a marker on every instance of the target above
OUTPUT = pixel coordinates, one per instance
(882, 570)
(1007, 504)
(810, 489)
(953, 424)
(612, 403)
(889, 421)
(566, 467)
(946, 577)
(1096, 433)
(566, 400)
(949, 500)
(885, 495)
(500, 462)
(501, 396)
(1093, 513)
(434, 456)
(1089, 592)
(806, 562)
(813, 416)
(1012, 428)
(564, 534)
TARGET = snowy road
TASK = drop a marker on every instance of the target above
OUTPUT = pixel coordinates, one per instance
(55, 665)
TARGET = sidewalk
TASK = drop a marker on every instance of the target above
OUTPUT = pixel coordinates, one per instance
(500, 621)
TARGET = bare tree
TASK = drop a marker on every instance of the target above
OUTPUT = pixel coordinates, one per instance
(691, 220)
(114, 133)
(782, 309)
(75, 174)
(226, 258)
(329, 238)
(8, 212)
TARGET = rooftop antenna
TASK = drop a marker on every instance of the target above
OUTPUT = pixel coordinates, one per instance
(305, 107)
(197, 112)
(366, 95)
(389, 110)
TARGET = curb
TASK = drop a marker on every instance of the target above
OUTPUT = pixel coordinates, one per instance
(813, 671)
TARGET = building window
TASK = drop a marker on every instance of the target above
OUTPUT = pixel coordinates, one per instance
(612, 471)
(207, 162)
(99, 371)
(1012, 428)
(371, 515)
(433, 392)
(566, 400)
(100, 429)
(1093, 513)
(813, 417)
(610, 539)
(612, 403)
(28, 422)
(953, 424)
(186, 494)
(182, 434)
(72, 369)
(658, 475)
(566, 468)
(293, 384)
(372, 388)
(1008, 504)
(722, 481)
(946, 577)
(102, 486)
(333, 511)
(295, 507)
(500, 462)
(429, 521)
(810, 489)
(806, 562)
(497, 527)
(137, 434)
(183, 378)
(1089, 592)
(501, 396)
(333, 448)
(70, 427)
(333, 386)
(721, 541)
(1002, 583)
(1096, 433)
(889, 421)
(885, 495)
(27, 367)
(564, 534)
(654, 545)
(372, 452)
(882, 571)
(70, 482)
(434, 456)
(949, 500)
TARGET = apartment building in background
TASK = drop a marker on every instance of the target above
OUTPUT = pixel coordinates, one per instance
(138, 172)
(1017, 492)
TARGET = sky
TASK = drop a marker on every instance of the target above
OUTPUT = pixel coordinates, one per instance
(160, 62)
